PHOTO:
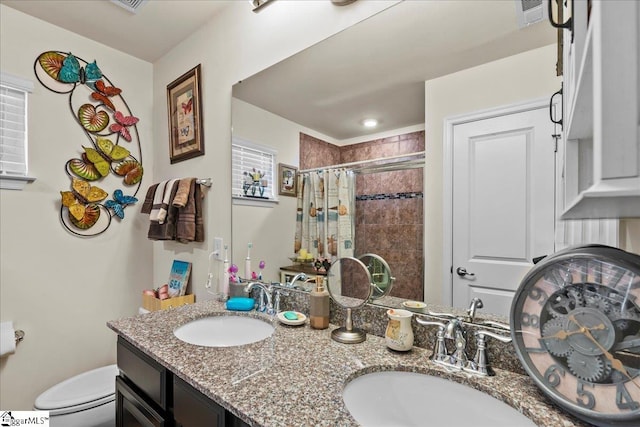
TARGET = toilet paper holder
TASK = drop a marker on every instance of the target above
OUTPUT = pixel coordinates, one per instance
(19, 334)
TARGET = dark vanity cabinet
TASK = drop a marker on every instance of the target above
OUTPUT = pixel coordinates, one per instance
(143, 389)
(192, 408)
(148, 394)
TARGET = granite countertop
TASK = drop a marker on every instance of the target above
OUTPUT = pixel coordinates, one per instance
(298, 375)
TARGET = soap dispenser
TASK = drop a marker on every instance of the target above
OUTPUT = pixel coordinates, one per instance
(319, 311)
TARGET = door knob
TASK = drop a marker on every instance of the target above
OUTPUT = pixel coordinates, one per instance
(462, 272)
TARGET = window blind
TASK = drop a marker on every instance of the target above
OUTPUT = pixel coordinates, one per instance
(13, 125)
(248, 162)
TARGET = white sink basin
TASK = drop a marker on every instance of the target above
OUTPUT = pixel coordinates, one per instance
(224, 331)
(395, 398)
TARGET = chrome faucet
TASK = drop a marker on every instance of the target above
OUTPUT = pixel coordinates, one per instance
(453, 328)
(455, 331)
(480, 364)
(278, 292)
(266, 291)
(476, 303)
(299, 276)
(440, 349)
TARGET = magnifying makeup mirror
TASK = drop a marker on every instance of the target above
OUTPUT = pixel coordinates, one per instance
(350, 286)
(381, 278)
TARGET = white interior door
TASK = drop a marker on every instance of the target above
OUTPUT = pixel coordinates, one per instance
(503, 204)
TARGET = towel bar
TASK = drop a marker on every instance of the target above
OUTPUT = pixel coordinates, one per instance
(207, 182)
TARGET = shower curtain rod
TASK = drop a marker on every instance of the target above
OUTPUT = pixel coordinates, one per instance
(417, 154)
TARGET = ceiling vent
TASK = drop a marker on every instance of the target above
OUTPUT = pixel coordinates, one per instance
(530, 12)
(131, 5)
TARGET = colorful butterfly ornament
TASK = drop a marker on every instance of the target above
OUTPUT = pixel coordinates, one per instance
(96, 162)
(103, 92)
(72, 72)
(131, 170)
(122, 123)
(82, 203)
(119, 202)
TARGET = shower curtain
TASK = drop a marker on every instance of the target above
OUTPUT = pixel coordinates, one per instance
(325, 213)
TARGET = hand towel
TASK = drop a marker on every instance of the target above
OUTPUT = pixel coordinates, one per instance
(148, 200)
(190, 224)
(166, 199)
(157, 201)
(166, 231)
(182, 195)
(186, 222)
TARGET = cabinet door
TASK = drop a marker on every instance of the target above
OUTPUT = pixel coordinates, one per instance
(147, 374)
(132, 410)
(602, 120)
(191, 408)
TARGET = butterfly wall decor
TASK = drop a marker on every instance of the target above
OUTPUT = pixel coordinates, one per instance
(119, 202)
(122, 123)
(103, 93)
(101, 111)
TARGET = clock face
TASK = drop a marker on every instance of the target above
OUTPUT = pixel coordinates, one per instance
(576, 328)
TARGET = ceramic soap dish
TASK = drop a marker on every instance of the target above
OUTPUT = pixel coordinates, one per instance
(292, 318)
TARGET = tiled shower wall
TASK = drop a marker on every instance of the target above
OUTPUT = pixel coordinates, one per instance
(389, 205)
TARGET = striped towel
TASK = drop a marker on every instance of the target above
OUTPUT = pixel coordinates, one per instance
(148, 200)
(166, 199)
(157, 201)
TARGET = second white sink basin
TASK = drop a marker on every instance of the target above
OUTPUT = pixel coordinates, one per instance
(224, 331)
(395, 398)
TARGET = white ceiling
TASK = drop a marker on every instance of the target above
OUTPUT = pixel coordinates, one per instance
(376, 68)
(154, 30)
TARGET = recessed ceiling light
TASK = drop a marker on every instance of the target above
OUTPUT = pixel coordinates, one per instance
(370, 123)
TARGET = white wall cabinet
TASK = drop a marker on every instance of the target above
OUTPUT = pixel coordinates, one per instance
(601, 110)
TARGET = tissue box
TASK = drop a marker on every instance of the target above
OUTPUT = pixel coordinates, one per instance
(152, 303)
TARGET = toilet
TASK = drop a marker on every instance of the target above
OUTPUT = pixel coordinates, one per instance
(86, 400)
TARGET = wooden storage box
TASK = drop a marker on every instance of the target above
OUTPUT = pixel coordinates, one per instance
(152, 303)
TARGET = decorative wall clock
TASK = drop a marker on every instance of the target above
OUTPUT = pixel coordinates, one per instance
(576, 329)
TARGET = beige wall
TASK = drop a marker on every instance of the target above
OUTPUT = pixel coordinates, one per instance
(58, 288)
(269, 227)
(236, 44)
(530, 75)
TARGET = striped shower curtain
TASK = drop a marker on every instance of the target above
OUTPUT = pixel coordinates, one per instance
(325, 213)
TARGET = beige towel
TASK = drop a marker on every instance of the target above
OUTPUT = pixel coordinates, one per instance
(157, 201)
(182, 195)
(166, 200)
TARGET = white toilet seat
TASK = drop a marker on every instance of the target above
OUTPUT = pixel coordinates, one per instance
(84, 391)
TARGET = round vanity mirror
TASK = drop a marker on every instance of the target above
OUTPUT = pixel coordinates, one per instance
(381, 278)
(350, 286)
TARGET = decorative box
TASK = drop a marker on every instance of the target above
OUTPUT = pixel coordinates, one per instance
(152, 303)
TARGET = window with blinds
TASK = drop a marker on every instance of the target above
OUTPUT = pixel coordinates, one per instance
(253, 171)
(13, 126)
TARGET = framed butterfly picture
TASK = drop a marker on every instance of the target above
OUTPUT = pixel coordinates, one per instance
(184, 104)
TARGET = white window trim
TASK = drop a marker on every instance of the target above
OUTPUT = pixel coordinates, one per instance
(17, 182)
(248, 201)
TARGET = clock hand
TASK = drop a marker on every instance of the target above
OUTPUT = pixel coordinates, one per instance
(615, 363)
(562, 334)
